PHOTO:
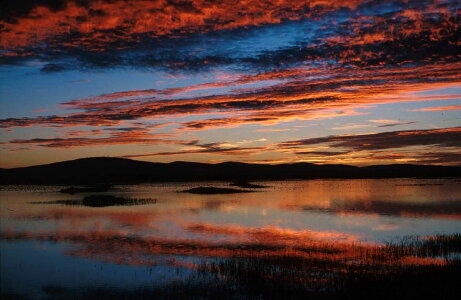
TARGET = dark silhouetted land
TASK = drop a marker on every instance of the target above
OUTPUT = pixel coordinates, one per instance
(105, 170)
(214, 191)
(86, 189)
(247, 185)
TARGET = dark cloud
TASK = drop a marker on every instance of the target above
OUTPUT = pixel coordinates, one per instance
(210, 148)
(12, 11)
(166, 34)
(51, 68)
(440, 157)
(321, 153)
(112, 136)
(446, 137)
(396, 124)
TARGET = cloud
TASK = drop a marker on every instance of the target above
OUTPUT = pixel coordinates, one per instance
(300, 96)
(40, 110)
(384, 121)
(282, 61)
(113, 136)
(273, 129)
(35, 21)
(446, 137)
(320, 153)
(210, 148)
(396, 124)
(440, 157)
(429, 146)
(351, 126)
(438, 108)
(166, 34)
(80, 81)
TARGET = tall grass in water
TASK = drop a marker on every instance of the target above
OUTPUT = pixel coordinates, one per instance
(411, 268)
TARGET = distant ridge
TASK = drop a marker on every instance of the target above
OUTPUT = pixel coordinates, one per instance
(111, 170)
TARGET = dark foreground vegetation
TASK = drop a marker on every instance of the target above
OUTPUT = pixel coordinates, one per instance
(413, 268)
(104, 170)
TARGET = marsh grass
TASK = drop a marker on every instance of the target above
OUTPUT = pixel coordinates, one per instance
(247, 280)
(414, 267)
(411, 268)
(429, 246)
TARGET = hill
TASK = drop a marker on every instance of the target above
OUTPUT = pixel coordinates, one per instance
(97, 170)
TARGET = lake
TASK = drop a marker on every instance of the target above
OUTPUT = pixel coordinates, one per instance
(299, 237)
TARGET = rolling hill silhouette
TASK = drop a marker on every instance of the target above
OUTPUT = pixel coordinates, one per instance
(97, 170)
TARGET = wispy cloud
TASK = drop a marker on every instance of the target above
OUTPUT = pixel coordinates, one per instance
(447, 137)
(396, 124)
(211, 148)
(302, 97)
(351, 126)
(437, 108)
(115, 136)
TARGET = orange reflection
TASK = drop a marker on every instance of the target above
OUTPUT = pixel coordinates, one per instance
(118, 247)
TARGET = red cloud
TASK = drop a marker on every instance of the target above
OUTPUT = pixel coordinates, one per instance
(100, 22)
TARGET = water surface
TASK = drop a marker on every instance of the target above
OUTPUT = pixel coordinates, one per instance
(152, 235)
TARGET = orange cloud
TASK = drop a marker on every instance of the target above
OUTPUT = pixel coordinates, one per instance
(300, 98)
(117, 136)
(438, 108)
(99, 22)
(448, 137)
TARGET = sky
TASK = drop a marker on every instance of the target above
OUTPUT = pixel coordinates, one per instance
(359, 82)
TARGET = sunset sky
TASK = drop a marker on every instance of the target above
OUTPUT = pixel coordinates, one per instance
(356, 82)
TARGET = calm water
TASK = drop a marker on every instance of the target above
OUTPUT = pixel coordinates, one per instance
(53, 243)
